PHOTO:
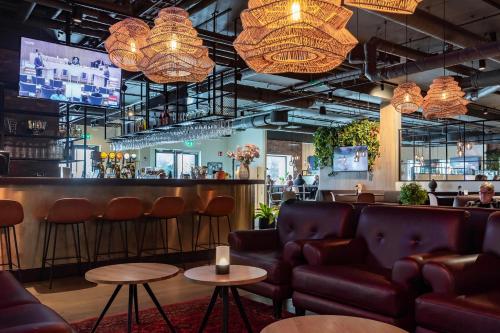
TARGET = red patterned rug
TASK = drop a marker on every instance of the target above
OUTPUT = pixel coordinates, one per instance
(186, 318)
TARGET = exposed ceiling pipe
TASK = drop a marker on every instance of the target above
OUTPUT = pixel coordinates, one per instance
(452, 58)
(477, 94)
(481, 79)
(431, 25)
(412, 54)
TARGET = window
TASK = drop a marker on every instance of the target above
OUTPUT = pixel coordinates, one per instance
(277, 166)
(83, 161)
(176, 163)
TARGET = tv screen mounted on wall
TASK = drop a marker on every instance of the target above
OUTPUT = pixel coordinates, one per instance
(354, 158)
(68, 74)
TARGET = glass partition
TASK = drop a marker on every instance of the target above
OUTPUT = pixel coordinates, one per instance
(450, 151)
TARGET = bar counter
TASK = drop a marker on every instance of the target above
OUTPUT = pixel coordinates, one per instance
(38, 194)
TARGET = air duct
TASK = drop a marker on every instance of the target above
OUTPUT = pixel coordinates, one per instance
(477, 94)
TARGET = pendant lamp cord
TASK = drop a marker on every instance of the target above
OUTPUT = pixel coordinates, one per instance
(444, 38)
(407, 46)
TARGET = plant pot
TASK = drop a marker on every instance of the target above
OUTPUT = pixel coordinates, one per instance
(243, 172)
(264, 224)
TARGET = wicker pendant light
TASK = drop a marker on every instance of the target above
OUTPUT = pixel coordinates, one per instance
(444, 99)
(125, 43)
(173, 51)
(389, 6)
(407, 98)
(299, 36)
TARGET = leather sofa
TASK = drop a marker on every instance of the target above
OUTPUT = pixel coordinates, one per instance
(377, 275)
(21, 312)
(279, 250)
(466, 291)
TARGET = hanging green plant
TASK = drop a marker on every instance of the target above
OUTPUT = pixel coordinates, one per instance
(357, 133)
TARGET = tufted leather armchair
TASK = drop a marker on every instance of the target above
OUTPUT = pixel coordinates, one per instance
(21, 312)
(279, 250)
(377, 275)
(466, 294)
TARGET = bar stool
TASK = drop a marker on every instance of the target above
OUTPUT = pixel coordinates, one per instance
(64, 213)
(11, 214)
(219, 206)
(163, 210)
(119, 211)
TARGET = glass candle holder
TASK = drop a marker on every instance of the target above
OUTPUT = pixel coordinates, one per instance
(222, 260)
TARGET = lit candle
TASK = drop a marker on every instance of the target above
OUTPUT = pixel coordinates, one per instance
(222, 260)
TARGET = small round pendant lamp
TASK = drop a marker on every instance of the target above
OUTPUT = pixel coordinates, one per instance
(388, 6)
(173, 51)
(125, 42)
(407, 98)
(444, 99)
(296, 36)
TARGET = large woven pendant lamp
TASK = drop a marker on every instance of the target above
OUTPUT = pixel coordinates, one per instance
(173, 51)
(445, 98)
(298, 36)
(125, 42)
(407, 96)
(388, 6)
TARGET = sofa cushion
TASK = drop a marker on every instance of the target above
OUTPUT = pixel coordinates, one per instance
(392, 233)
(278, 271)
(36, 318)
(357, 286)
(12, 292)
(475, 313)
(299, 220)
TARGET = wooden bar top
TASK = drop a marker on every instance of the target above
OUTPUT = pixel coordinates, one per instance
(123, 182)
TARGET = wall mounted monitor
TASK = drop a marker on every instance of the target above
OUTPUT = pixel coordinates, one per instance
(354, 158)
(68, 74)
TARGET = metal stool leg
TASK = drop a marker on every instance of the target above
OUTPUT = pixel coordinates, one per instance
(228, 223)
(48, 230)
(9, 247)
(17, 253)
(126, 240)
(77, 252)
(198, 233)
(218, 231)
(86, 242)
(144, 231)
(98, 236)
(166, 234)
(53, 257)
(179, 234)
(162, 236)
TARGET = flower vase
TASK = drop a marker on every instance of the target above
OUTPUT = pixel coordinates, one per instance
(243, 171)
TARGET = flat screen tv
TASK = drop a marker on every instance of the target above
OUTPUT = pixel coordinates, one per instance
(68, 74)
(353, 158)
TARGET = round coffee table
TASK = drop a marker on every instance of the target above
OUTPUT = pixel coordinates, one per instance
(333, 324)
(238, 276)
(132, 275)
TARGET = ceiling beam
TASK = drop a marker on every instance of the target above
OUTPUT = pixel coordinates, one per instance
(29, 11)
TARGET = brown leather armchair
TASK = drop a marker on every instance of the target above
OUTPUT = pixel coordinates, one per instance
(377, 275)
(466, 294)
(279, 250)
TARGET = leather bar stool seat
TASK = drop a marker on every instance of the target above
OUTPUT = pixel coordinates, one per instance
(217, 208)
(67, 213)
(11, 214)
(119, 211)
(164, 209)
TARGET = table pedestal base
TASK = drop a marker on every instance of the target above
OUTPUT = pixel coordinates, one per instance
(133, 302)
(223, 291)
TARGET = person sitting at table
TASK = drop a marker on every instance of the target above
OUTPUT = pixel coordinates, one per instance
(289, 181)
(299, 181)
(486, 200)
(314, 189)
(106, 76)
(58, 96)
(316, 180)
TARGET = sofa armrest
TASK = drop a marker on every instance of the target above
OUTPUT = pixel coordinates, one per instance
(407, 271)
(334, 252)
(254, 240)
(463, 274)
(293, 251)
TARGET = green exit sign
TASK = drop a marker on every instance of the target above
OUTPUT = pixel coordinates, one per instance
(189, 143)
(88, 136)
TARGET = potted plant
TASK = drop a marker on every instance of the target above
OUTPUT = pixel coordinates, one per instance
(413, 194)
(266, 215)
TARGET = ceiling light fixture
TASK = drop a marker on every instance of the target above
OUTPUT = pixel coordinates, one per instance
(125, 43)
(388, 6)
(444, 99)
(296, 36)
(407, 98)
(173, 51)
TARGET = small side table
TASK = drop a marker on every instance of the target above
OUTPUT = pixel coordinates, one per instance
(238, 276)
(132, 275)
(332, 324)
